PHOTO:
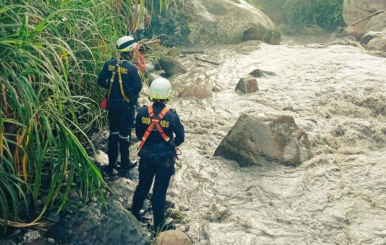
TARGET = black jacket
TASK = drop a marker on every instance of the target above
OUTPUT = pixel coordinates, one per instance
(171, 125)
(131, 80)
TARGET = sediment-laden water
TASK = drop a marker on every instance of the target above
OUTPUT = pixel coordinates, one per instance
(336, 94)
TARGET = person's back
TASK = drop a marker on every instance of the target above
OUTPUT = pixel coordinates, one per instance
(120, 77)
(139, 20)
(129, 73)
(160, 131)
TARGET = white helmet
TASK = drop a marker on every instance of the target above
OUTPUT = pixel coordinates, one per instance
(160, 89)
(126, 44)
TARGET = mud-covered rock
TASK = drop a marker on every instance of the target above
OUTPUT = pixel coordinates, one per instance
(213, 22)
(99, 225)
(247, 85)
(355, 10)
(173, 237)
(254, 141)
(171, 66)
(368, 37)
(377, 23)
(378, 43)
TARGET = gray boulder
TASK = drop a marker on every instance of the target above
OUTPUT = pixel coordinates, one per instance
(377, 44)
(213, 22)
(254, 141)
(368, 37)
(377, 23)
(247, 85)
(354, 10)
(99, 225)
(261, 73)
(152, 77)
(171, 66)
(354, 31)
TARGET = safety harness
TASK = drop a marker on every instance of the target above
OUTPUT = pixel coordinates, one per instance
(117, 68)
(154, 125)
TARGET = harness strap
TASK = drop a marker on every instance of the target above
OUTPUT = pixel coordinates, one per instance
(154, 125)
(117, 67)
(121, 85)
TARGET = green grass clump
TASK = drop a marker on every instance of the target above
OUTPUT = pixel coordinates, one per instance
(50, 55)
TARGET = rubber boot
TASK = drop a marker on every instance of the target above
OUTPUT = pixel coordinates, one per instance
(112, 150)
(125, 152)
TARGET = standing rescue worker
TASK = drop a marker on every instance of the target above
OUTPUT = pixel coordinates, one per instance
(123, 82)
(156, 126)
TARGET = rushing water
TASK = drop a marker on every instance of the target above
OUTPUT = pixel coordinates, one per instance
(336, 94)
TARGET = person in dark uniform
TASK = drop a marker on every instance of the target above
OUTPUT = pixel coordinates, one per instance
(124, 84)
(160, 131)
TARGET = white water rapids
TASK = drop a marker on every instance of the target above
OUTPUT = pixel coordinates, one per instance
(336, 94)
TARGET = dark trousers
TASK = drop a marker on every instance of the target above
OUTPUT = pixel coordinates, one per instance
(161, 170)
(120, 124)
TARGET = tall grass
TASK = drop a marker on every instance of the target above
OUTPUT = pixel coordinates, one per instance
(50, 54)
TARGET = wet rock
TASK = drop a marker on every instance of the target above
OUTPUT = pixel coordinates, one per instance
(261, 73)
(150, 68)
(369, 36)
(254, 141)
(7, 242)
(254, 32)
(378, 43)
(31, 236)
(377, 23)
(39, 241)
(213, 22)
(101, 158)
(354, 31)
(199, 90)
(152, 77)
(173, 237)
(98, 225)
(171, 66)
(354, 10)
(247, 85)
(123, 189)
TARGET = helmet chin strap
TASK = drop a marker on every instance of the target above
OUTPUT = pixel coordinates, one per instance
(160, 101)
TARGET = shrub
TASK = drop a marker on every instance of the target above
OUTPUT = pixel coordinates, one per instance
(324, 13)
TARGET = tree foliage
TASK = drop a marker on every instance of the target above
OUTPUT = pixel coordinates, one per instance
(324, 13)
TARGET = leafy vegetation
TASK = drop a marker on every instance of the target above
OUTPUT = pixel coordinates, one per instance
(307, 16)
(323, 13)
(51, 52)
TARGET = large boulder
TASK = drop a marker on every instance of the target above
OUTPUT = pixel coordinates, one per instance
(254, 141)
(369, 36)
(99, 225)
(354, 10)
(377, 44)
(171, 66)
(212, 22)
(247, 85)
(377, 23)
